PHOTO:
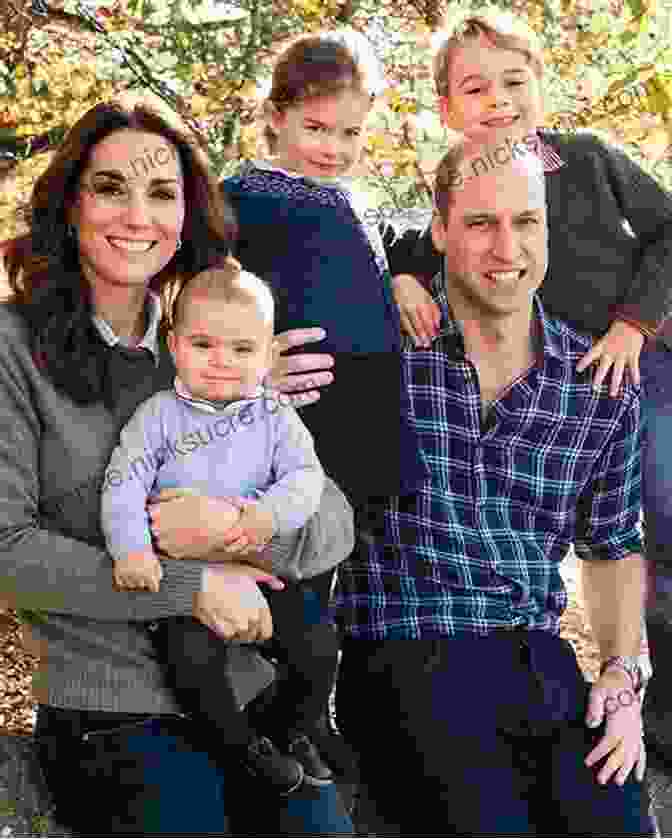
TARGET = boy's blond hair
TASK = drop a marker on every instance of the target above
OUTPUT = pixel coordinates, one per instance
(501, 29)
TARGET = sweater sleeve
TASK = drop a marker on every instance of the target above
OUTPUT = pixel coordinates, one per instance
(129, 479)
(295, 495)
(44, 569)
(411, 252)
(648, 210)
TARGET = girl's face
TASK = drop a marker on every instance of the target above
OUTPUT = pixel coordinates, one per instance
(322, 137)
(492, 93)
(129, 210)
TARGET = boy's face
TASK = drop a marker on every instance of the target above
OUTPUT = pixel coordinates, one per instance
(322, 137)
(492, 93)
(222, 351)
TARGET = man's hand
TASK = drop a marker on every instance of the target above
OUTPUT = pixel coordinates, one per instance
(188, 525)
(254, 529)
(612, 698)
(288, 373)
(138, 570)
(617, 351)
(420, 316)
(231, 604)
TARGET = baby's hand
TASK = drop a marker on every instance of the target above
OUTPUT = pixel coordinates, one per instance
(138, 570)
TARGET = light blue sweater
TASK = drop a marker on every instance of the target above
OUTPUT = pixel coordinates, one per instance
(256, 448)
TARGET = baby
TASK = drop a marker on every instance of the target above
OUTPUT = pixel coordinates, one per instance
(219, 433)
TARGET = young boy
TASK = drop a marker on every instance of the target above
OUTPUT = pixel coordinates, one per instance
(610, 234)
(219, 433)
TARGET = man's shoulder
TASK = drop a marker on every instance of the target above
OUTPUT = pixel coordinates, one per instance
(565, 338)
(569, 345)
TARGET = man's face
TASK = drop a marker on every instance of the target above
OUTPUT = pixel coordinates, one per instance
(494, 240)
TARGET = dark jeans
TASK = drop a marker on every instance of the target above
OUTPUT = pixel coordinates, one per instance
(304, 641)
(480, 736)
(133, 775)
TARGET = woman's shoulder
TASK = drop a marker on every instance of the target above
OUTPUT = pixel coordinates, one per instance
(12, 323)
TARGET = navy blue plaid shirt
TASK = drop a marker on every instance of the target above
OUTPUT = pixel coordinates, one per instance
(478, 547)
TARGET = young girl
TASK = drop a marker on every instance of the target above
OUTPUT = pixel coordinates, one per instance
(303, 227)
(610, 235)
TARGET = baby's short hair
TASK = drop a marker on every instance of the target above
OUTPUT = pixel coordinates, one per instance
(227, 282)
(501, 29)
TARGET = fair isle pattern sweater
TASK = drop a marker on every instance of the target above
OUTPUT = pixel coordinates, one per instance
(314, 248)
(53, 456)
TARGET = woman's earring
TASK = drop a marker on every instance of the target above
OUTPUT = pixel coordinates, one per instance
(70, 231)
(179, 244)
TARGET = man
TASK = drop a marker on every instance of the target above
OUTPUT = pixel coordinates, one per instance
(469, 712)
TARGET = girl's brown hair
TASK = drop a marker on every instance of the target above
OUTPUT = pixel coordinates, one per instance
(322, 65)
(500, 29)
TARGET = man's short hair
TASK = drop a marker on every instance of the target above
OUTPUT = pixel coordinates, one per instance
(467, 159)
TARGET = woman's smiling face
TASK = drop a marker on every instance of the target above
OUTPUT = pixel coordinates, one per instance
(130, 208)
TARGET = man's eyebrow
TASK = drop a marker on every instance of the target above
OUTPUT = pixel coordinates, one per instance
(471, 215)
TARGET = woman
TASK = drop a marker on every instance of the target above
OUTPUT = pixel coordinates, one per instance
(125, 207)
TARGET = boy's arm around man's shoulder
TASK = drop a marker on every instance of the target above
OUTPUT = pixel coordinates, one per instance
(410, 249)
(647, 208)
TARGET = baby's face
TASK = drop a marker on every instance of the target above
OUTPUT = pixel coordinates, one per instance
(222, 351)
(492, 93)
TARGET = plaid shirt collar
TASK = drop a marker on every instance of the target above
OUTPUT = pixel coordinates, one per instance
(150, 340)
(450, 334)
(550, 159)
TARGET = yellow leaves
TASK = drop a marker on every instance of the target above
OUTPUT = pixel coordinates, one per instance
(248, 90)
(400, 103)
(199, 105)
(659, 94)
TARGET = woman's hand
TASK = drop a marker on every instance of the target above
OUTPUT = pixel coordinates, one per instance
(231, 604)
(253, 531)
(288, 373)
(618, 349)
(420, 316)
(188, 525)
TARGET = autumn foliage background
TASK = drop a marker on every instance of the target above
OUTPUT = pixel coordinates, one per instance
(609, 69)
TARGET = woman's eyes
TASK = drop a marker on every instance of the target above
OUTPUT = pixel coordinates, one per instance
(116, 191)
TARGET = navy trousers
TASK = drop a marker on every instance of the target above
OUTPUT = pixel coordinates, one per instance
(132, 775)
(480, 736)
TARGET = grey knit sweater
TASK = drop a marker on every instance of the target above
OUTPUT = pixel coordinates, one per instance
(610, 241)
(53, 454)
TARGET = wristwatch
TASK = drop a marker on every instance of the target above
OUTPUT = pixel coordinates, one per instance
(630, 664)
